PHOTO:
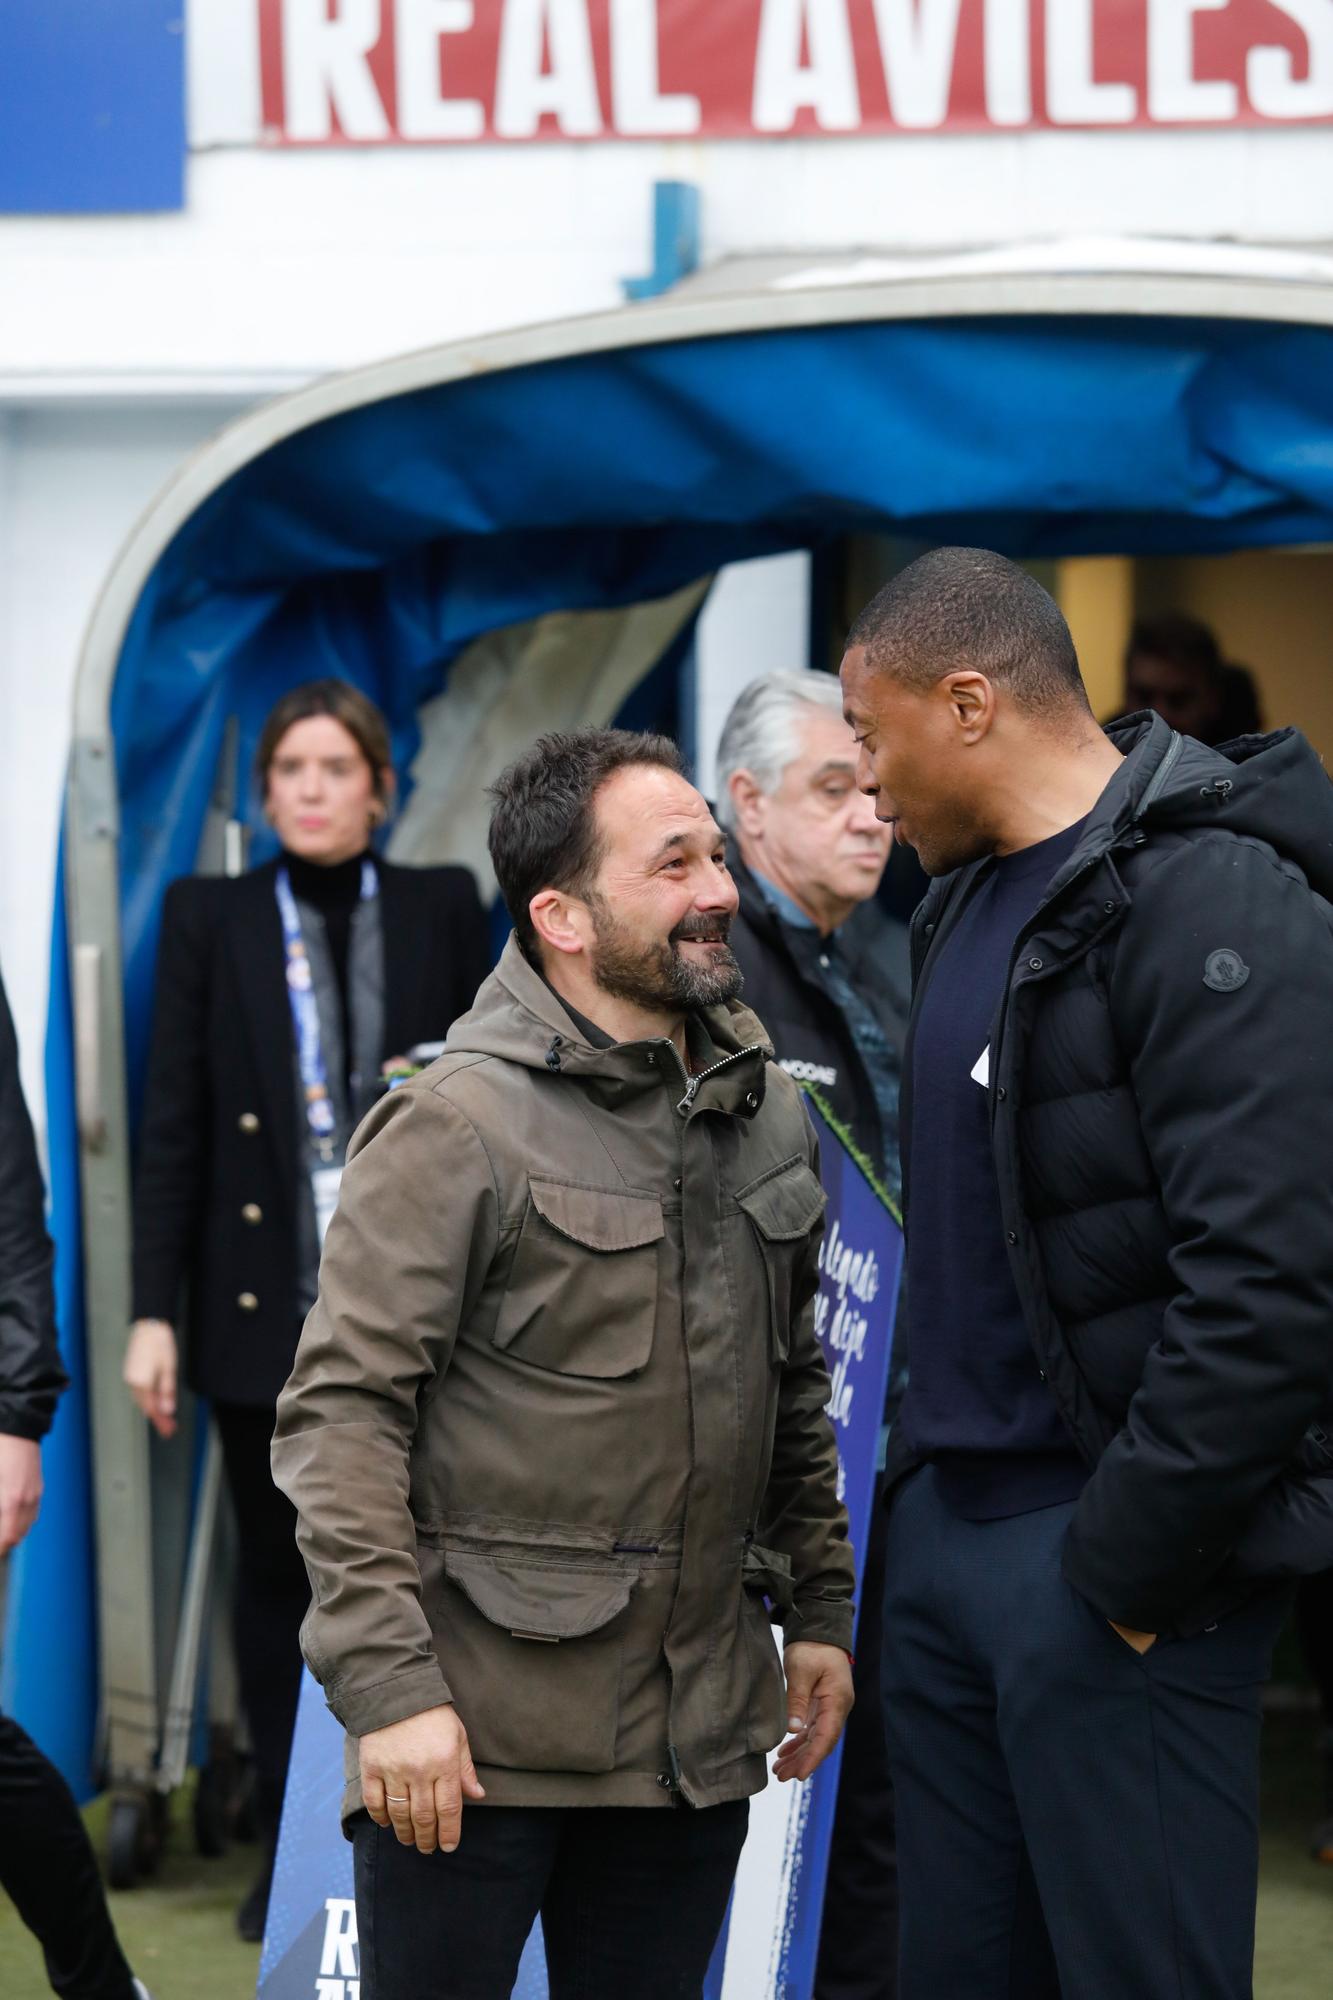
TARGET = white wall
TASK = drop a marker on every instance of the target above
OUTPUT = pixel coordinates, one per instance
(72, 481)
(286, 264)
(756, 620)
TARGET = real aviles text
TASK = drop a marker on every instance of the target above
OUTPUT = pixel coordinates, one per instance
(439, 72)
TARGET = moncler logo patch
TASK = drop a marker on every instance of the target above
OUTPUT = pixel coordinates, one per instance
(1225, 971)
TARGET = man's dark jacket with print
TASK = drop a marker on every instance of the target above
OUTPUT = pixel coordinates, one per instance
(1162, 1111)
(814, 1043)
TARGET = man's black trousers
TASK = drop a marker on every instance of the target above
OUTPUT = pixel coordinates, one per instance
(1075, 1822)
(47, 1868)
(631, 1902)
(858, 1938)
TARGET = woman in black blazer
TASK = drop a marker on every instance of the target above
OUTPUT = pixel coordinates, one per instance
(280, 995)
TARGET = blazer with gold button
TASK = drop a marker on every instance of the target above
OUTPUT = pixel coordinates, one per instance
(219, 1157)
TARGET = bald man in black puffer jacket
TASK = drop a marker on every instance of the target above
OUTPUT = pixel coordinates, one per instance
(1116, 1447)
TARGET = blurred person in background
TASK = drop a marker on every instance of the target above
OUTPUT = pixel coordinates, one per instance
(1174, 666)
(47, 1864)
(280, 995)
(826, 971)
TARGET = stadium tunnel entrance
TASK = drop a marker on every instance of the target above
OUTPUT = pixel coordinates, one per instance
(519, 532)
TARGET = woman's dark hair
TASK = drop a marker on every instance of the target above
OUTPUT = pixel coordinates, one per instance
(543, 832)
(364, 723)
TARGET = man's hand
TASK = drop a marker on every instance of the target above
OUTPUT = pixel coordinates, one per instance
(1140, 1641)
(819, 1701)
(150, 1372)
(415, 1776)
(20, 1489)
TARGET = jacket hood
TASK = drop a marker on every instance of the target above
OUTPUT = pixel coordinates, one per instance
(1273, 788)
(517, 1018)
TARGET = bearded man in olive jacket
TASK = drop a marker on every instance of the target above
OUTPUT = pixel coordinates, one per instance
(556, 1428)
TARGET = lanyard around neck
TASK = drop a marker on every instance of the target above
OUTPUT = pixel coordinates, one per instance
(319, 1111)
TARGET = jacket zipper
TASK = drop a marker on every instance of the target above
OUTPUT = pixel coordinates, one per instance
(673, 1778)
(1153, 792)
(692, 1082)
(1089, 867)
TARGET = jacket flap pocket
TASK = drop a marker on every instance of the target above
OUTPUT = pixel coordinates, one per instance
(598, 1218)
(786, 1205)
(539, 1600)
(769, 1570)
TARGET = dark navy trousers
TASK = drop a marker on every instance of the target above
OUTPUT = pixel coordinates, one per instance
(1075, 1822)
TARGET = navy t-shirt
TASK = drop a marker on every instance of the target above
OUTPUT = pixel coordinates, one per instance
(976, 1404)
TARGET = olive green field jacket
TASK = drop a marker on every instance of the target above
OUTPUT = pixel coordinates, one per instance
(556, 1428)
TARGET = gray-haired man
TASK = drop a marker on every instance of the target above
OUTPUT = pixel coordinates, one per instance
(826, 972)
(825, 967)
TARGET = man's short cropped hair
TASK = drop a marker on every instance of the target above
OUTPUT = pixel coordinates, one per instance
(761, 735)
(972, 610)
(543, 832)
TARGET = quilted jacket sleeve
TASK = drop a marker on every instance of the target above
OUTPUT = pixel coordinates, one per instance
(1234, 1082)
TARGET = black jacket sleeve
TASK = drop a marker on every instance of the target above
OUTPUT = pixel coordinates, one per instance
(1235, 1096)
(31, 1377)
(174, 1137)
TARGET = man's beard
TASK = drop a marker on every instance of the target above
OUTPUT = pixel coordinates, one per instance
(655, 976)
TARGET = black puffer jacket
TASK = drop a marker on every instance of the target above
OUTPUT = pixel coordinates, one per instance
(1162, 1111)
(31, 1377)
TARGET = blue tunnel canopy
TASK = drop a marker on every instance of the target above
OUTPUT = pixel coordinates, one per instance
(378, 543)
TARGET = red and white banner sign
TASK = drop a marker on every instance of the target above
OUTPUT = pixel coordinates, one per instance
(385, 72)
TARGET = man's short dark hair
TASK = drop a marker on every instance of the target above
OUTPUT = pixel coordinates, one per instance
(974, 610)
(543, 832)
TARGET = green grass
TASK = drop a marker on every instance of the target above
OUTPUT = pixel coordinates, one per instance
(179, 1930)
(1294, 1948)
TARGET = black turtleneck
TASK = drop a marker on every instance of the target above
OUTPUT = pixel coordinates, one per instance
(334, 890)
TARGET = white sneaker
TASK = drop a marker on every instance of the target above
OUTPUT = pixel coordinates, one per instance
(140, 1990)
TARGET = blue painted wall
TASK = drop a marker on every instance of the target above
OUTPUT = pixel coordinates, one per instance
(92, 106)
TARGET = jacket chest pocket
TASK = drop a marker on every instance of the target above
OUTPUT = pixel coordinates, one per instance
(581, 1298)
(782, 1209)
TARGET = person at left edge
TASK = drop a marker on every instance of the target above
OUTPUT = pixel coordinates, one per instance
(47, 1865)
(279, 996)
(557, 1425)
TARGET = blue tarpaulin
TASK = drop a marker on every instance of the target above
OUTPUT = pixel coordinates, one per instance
(378, 543)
